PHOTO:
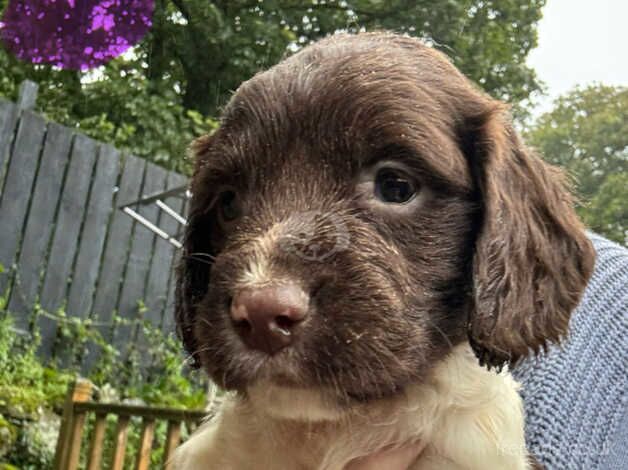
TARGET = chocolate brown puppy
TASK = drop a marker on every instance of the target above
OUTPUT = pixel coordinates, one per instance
(367, 232)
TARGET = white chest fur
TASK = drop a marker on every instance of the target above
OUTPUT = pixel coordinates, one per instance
(467, 417)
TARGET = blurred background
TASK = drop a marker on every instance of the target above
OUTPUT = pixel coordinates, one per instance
(141, 79)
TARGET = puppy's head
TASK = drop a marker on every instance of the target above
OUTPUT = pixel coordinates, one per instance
(362, 209)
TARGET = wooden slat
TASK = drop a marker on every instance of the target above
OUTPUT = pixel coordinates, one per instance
(8, 121)
(67, 228)
(122, 431)
(153, 412)
(40, 221)
(161, 266)
(17, 188)
(168, 325)
(96, 447)
(115, 254)
(161, 269)
(139, 259)
(93, 233)
(167, 322)
(75, 441)
(146, 443)
(78, 392)
(118, 242)
(173, 438)
(27, 95)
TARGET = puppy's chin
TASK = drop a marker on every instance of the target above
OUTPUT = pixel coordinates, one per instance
(294, 403)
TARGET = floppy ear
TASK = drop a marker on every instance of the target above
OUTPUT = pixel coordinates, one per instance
(194, 265)
(532, 257)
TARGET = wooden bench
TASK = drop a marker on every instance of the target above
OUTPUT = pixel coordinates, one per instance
(79, 404)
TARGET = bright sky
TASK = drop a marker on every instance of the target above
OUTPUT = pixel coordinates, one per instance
(581, 41)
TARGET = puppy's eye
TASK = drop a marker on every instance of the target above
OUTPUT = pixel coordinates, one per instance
(393, 186)
(229, 206)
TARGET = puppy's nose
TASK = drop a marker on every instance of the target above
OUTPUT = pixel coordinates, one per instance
(266, 317)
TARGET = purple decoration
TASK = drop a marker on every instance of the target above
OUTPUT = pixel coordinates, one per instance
(74, 34)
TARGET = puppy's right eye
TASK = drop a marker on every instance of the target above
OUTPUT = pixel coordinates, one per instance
(393, 186)
(229, 206)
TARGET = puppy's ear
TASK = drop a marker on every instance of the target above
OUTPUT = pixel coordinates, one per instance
(532, 258)
(192, 278)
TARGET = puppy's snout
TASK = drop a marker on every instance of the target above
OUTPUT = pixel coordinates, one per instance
(266, 317)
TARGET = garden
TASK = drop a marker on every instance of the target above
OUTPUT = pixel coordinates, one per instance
(32, 393)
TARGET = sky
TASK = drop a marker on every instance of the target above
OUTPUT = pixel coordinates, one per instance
(581, 41)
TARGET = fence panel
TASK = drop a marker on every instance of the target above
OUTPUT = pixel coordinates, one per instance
(159, 274)
(94, 231)
(162, 264)
(115, 255)
(65, 243)
(65, 239)
(40, 221)
(139, 258)
(17, 190)
(167, 320)
(8, 121)
(118, 241)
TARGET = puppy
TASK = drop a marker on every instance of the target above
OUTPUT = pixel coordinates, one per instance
(367, 232)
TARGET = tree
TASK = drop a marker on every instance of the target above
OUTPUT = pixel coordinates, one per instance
(198, 51)
(218, 44)
(587, 134)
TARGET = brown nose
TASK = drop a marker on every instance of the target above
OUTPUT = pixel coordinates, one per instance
(266, 317)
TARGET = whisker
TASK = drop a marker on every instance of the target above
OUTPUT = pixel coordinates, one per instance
(190, 358)
(440, 331)
(199, 253)
(200, 260)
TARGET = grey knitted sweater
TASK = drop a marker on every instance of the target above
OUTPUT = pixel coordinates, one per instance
(575, 396)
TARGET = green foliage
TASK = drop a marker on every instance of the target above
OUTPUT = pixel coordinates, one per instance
(587, 134)
(167, 90)
(215, 45)
(607, 212)
(118, 105)
(25, 384)
(32, 393)
(27, 389)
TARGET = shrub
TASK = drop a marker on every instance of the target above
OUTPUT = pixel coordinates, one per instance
(32, 392)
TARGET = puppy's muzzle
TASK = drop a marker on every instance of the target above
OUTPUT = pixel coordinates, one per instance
(268, 318)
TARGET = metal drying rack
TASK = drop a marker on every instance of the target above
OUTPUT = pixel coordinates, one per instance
(131, 209)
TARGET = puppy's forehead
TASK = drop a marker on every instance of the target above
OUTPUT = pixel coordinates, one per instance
(349, 102)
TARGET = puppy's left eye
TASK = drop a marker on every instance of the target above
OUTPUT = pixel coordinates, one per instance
(229, 206)
(393, 186)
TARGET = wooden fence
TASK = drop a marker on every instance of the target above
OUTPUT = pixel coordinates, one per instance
(64, 242)
(75, 412)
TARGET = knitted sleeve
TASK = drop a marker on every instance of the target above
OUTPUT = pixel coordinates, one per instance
(575, 395)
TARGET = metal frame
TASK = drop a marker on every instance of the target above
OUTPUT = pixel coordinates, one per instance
(130, 209)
